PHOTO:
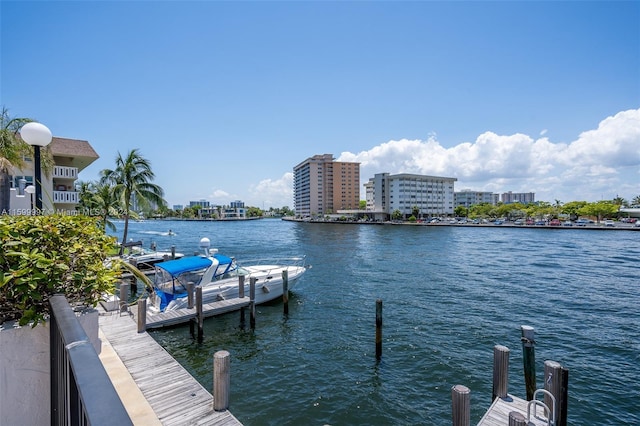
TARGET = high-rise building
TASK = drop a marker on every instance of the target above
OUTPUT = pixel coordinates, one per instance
(430, 195)
(322, 186)
(518, 197)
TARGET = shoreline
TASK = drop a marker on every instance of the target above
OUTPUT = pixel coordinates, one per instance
(595, 227)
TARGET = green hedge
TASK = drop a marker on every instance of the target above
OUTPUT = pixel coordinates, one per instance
(54, 254)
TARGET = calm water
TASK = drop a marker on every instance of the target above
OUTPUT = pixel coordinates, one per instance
(450, 294)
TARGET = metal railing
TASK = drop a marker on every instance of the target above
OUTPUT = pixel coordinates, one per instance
(81, 391)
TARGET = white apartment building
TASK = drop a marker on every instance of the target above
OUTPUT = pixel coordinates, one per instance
(431, 195)
(59, 194)
(468, 198)
(323, 186)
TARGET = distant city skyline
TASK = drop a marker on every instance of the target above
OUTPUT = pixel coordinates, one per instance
(225, 98)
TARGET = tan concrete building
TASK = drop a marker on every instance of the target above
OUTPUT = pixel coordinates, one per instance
(323, 186)
(59, 193)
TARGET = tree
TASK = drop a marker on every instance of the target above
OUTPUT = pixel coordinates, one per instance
(636, 200)
(12, 152)
(396, 215)
(571, 208)
(599, 210)
(619, 201)
(254, 212)
(131, 179)
(362, 205)
(461, 211)
(415, 212)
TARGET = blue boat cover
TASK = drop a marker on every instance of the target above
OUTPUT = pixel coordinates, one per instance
(178, 266)
(193, 263)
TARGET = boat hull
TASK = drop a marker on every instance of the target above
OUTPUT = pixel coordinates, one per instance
(268, 287)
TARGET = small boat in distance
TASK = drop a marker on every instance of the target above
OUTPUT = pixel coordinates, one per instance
(218, 275)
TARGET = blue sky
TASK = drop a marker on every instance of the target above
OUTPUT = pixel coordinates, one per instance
(225, 98)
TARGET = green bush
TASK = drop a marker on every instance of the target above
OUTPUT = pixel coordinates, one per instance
(46, 255)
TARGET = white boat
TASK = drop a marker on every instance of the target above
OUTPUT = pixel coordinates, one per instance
(218, 275)
(146, 259)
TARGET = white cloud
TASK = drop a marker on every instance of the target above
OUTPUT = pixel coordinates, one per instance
(601, 163)
(272, 193)
(219, 197)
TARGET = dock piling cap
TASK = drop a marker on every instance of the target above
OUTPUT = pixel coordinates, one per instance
(461, 389)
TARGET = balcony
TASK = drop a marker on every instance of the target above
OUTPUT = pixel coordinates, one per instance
(65, 197)
(63, 172)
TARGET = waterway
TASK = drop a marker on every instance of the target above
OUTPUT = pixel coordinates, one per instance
(449, 295)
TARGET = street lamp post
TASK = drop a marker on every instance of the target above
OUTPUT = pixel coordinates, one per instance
(36, 135)
(30, 190)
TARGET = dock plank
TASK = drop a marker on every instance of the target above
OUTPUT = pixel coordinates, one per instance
(174, 395)
(498, 413)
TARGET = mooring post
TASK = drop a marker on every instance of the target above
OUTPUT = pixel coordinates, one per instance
(252, 299)
(553, 382)
(500, 372)
(461, 405)
(517, 419)
(529, 360)
(564, 398)
(142, 315)
(173, 252)
(191, 287)
(285, 291)
(221, 380)
(378, 329)
(241, 296)
(134, 287)
(199, 313)
(241, 286)
(124, 297)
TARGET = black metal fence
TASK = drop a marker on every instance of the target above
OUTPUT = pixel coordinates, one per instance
(81, 391)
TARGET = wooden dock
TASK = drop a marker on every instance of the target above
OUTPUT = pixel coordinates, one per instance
(173, 394)
(179, 316)
(498, 413)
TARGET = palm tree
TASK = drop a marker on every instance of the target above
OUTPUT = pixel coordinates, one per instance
(12, 152)
(619, 201)
(98, 199)
(131, 180)
(636, 200)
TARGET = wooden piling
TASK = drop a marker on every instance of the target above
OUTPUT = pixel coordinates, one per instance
(221, 380)
(173, 252)
(564, 398)
(500, 371)
(199, 314)
(241, 296)
(285, 291)
(191, 287)
(529, 360)
(461, 405)
(553, 382)
(142, 315)
(517, 419)
(378, 329)
(252, 298)
(241, 286)
(124, 296)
